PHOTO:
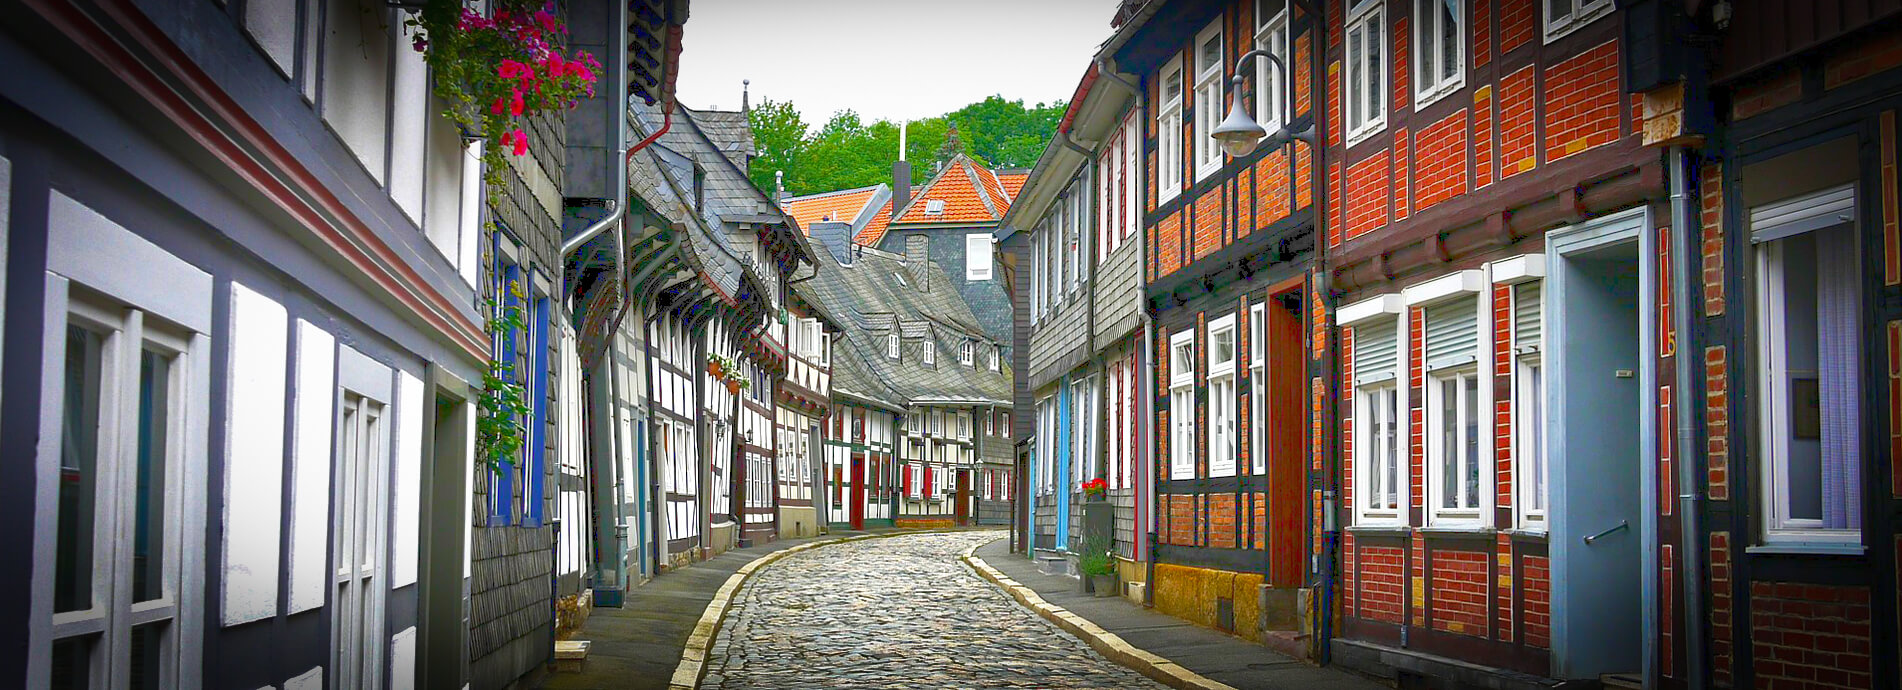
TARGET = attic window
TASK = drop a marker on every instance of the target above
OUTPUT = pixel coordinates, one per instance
(891, 345)
(934, 207)
(899, 278)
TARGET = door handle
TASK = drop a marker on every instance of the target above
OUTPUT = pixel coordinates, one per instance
(1622, 524)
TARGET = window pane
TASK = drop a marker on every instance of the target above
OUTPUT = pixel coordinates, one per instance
(78, 471)
(1449, 443)
(1449, 38)
(1424, 71)
(1355, 68)
(1470, 403)
(148, 657)
(1390, 420)
(1372, 73)
(148, 528)
(1210, 57)
(1532, 427)
(1556, 10)
(72, 663)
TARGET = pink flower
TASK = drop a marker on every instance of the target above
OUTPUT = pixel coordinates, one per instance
(496, 108)
(519, 139)
(421, 44)
(515, 107)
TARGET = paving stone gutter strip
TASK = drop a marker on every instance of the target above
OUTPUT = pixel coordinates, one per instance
(1107, 643)
(693, 657)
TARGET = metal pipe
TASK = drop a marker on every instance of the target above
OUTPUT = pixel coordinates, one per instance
(1103, 69)
(620, 137)
(1690, 502)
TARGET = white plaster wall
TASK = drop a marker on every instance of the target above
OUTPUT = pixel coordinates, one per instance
(442, 196)
(308, 680)
(311, 453)
(409, 123)
(254, 465)
(406, 498)
(466, 251)
(403, 659)
(356, 78)
(273, 25)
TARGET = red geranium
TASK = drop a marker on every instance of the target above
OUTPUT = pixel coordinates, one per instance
(1095, 487)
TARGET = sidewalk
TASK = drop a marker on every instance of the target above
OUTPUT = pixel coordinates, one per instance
(638, 645)
(1221, 658)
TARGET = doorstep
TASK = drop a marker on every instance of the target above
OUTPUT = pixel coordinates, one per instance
(1388, 663)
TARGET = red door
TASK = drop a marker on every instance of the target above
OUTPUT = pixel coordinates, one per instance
(963, 493)
(858, 492)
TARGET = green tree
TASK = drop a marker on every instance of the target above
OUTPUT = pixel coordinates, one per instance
(779, 135)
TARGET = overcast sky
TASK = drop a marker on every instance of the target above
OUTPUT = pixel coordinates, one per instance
(887, 59)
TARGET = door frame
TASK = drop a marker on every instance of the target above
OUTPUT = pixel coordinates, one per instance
(1637, 226)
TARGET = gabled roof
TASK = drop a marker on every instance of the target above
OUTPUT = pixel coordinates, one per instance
(882, 292)
(969, 192)
(875, 229)
(1013, 181)
(729, 132)
(853, 206)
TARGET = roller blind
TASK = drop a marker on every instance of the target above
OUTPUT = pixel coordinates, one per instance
(1528, 316)
(1802, 214)
(1452, 333)
(1376, 351)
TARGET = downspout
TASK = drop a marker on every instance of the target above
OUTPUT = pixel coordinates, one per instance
(1323, 287)
(1690, 502)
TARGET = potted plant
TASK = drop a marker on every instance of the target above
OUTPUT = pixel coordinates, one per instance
(716, 365)
(733, 386)
(1096, 564)
(1095, 489)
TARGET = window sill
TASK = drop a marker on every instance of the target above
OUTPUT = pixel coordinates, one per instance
(1355, 138)
(1163, 198)
(1459, 531)
(1809, 549)
(1380, 530)
(1422, 99)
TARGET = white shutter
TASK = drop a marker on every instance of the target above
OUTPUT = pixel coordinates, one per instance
(1528, 317)
(1376, 351)
(1452, 333)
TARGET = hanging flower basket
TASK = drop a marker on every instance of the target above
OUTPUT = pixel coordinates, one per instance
(733, 386)
(715, 369)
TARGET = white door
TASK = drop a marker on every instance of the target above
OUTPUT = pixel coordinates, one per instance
(356, 528)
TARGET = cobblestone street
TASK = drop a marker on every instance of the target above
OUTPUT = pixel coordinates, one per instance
(900, 612)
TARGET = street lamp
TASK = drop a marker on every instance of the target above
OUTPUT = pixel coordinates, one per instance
(1239, 134)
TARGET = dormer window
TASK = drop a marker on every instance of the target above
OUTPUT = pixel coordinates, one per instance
(891, 345)
(968, 355)
(997, 357)
(931, 352)
(934, 207)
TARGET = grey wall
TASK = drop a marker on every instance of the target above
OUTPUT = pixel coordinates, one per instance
(987, 298)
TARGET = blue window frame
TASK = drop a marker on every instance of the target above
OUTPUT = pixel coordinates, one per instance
(535, 471)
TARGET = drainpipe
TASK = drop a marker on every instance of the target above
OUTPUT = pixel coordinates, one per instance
(1147, 387)
(1690, 502)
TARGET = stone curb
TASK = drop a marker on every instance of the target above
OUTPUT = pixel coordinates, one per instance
(1107, 643)
(693, 657)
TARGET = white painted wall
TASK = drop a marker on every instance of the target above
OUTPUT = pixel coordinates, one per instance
(356, 78)
(409, 121)
(254, 465)
(406, 495)
(315, 405)
(403, 659)
(273, 25)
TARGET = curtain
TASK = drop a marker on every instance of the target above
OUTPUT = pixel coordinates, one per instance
(1838, 356)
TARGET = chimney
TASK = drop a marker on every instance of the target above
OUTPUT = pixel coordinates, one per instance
(746, 101)
(918, 259)
(901, 175)
(836, 238)
(779, 185)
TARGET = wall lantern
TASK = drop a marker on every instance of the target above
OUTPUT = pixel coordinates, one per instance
(1239, 134)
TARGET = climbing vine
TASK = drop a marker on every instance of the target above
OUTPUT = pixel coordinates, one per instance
(494, 72)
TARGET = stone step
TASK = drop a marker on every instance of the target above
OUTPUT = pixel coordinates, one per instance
(570, 655)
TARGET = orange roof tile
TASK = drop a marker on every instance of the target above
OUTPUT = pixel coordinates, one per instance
(875, 230)
(1013, 182)
(842, 206)
(1000, 200)
(970, 192)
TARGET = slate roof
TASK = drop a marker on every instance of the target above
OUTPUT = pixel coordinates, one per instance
(854, 206)
(729, 132)
(880, 292)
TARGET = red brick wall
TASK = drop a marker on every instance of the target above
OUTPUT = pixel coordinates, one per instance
(1169, 244)
(1334, 213)
(1416, 584)
(1763, 95)
(1381, 588)
(1416, 405)
(1303, 79)
(1873, 54)
(1271, 188)
(1181, 527)
(1720, 611)
(1403, 175)
(1711, 186)
(1458, 595)
(1516, 23)
(1258, 514)
(1400, 77)
(1582, 101)
(1537, 581)
(1482, 27)
(1208, 222)
(1483, 137)
(1518, 126)
(1717, 421)
(1441, 151)
(1222, 520)
(1667, 587)
(1809, 636)
(1304, 177)
(1349, 604)
(1369, 186)
(1502, 594)
(1502, 396)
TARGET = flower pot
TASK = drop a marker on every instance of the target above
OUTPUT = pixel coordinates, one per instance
(1103, 585)
(733, 387)
(716, 370)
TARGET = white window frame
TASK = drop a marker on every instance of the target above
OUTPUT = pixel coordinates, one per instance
(1531, 473)
(931, 352)
(1439, 466)
(1224, 427)
(1132, 173)
(977, 256)
(1582, 12)
(1208, 99)
(91, 251)
(1371, 401)
(1169, 131)
(997, 358)
(1182, 406)
(1773, 406)
(1430, 85)
(1257, 388)
(1271, 36)
(967, 355)
(1357, 124)
(891, 344)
